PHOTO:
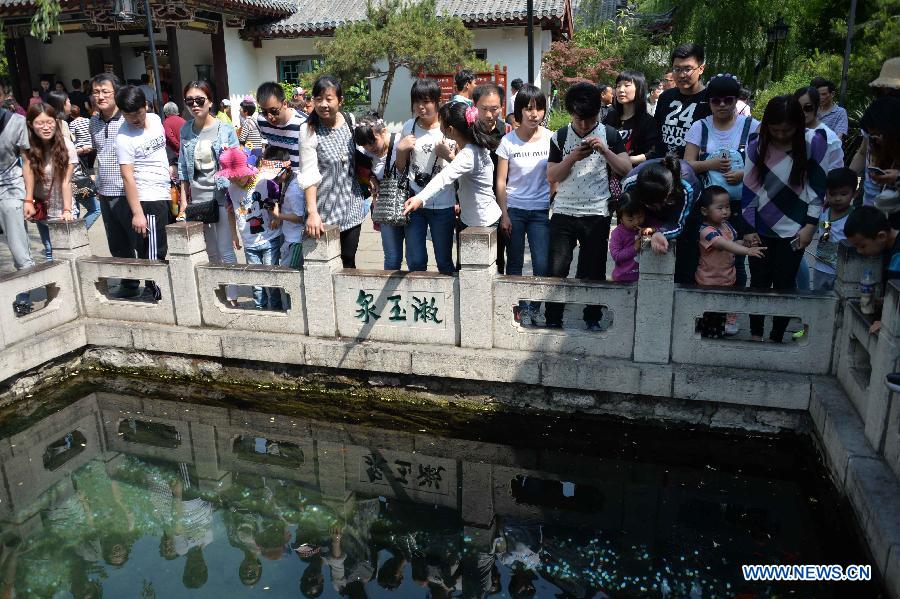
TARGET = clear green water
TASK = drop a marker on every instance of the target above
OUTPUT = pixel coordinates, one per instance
(130, 494)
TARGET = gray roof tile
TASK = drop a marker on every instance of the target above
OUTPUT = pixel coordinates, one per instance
(326, 15)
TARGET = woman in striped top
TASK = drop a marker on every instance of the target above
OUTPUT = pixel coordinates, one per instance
(248, 132)
(784, 188)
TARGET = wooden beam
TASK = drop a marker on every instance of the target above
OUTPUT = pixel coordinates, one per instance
(175, 65)
(220, 68)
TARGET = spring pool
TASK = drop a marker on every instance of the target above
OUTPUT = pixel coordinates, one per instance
(125, 488)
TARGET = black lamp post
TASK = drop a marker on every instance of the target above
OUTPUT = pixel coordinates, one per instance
(778, 32)
(124, 11)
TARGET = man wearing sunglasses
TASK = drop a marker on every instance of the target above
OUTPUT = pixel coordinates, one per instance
(678, 108)
(279, 124)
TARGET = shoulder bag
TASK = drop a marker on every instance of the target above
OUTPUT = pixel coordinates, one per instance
(393, 191)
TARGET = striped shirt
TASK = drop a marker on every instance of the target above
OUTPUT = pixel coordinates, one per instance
(81, 129)
(774, 207)
(103, 139)
(250, 136)
(284, 136)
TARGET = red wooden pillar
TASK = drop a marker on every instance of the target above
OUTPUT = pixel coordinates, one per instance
(175, 64)
(220, 70)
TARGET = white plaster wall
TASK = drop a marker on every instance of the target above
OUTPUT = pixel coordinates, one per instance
(193, 48)
(66, 57)
(507, 46)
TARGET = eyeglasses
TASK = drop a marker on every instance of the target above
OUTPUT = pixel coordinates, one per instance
(195, 101)
(270, 111)
(102, 93)
(808, 108)
(725, 101)
(684, 70)
(43, 125)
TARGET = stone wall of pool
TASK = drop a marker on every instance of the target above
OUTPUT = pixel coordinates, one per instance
(418, 329)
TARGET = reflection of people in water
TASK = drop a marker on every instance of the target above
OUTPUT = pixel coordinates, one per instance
(352, 558)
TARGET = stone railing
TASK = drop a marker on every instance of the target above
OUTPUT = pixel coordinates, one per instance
(651, 322)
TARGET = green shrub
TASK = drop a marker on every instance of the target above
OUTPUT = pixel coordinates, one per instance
(557, 119)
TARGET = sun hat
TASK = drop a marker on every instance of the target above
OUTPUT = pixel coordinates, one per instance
(226, 102)
(234, 164)
(890, 74)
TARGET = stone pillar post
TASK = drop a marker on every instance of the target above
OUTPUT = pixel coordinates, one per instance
(321, 259)
(654, 307)
(478, 257)
(850, 268)
(70, 242)
(883, 362)
(187, 249)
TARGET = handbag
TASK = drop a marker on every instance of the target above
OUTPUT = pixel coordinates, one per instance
(393, 191)
(82, 184)
(40, 210)
(202, 212)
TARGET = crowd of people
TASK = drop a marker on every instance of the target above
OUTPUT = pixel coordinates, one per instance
(679, 161)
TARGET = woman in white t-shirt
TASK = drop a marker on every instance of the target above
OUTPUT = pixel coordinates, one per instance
(472, 168)
(371, 135)
(425, 151)
(523, 191)
(52, 159)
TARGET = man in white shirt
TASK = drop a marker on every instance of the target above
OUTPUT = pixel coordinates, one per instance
(141, 150)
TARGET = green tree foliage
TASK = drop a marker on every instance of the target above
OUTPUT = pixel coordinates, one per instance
(406, 34)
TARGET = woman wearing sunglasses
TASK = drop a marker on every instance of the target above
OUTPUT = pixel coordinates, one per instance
(716, 150)
(202, 141)
(809, 102)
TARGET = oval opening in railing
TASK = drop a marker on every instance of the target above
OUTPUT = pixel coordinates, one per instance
(270, 452)
(145, 432)
(556, 494)
(64, 449)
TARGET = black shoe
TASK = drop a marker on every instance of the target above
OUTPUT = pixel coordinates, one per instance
(22, 308)
(152, 291)
(893, 381)
(593, 326)
(553, 325)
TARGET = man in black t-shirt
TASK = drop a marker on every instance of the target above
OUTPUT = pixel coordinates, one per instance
(679, 107)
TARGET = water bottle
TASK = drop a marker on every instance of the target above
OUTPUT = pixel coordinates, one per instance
(866, 291)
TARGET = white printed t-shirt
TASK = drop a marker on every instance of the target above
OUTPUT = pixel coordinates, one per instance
(254, 223)
(730, 139)
(146, 150)
(295, 203)
(422, 159)
(526, 182)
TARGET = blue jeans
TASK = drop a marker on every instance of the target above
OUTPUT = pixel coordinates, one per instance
(443, 224)
(803, 274)
(265, 253)
(92, 208)
(44, 232)
(534, 224)
(823, 281)
(392, 244)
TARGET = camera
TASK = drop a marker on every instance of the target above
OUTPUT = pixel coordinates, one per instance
(422, 179)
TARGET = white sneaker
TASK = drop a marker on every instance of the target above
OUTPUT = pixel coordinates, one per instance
(731, 325)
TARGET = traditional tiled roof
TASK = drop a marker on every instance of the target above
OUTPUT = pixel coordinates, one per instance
(321, 17)
(270, 8)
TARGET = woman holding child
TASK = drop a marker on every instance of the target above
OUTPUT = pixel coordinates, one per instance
(203, 139)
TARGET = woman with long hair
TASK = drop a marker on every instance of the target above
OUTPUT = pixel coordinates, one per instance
(423, 150)
(64, 110)
(629, 116)
(784, 189)
(203, 139)
(472, 168)
(52, 159)
(668, 189)
(328, 155)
